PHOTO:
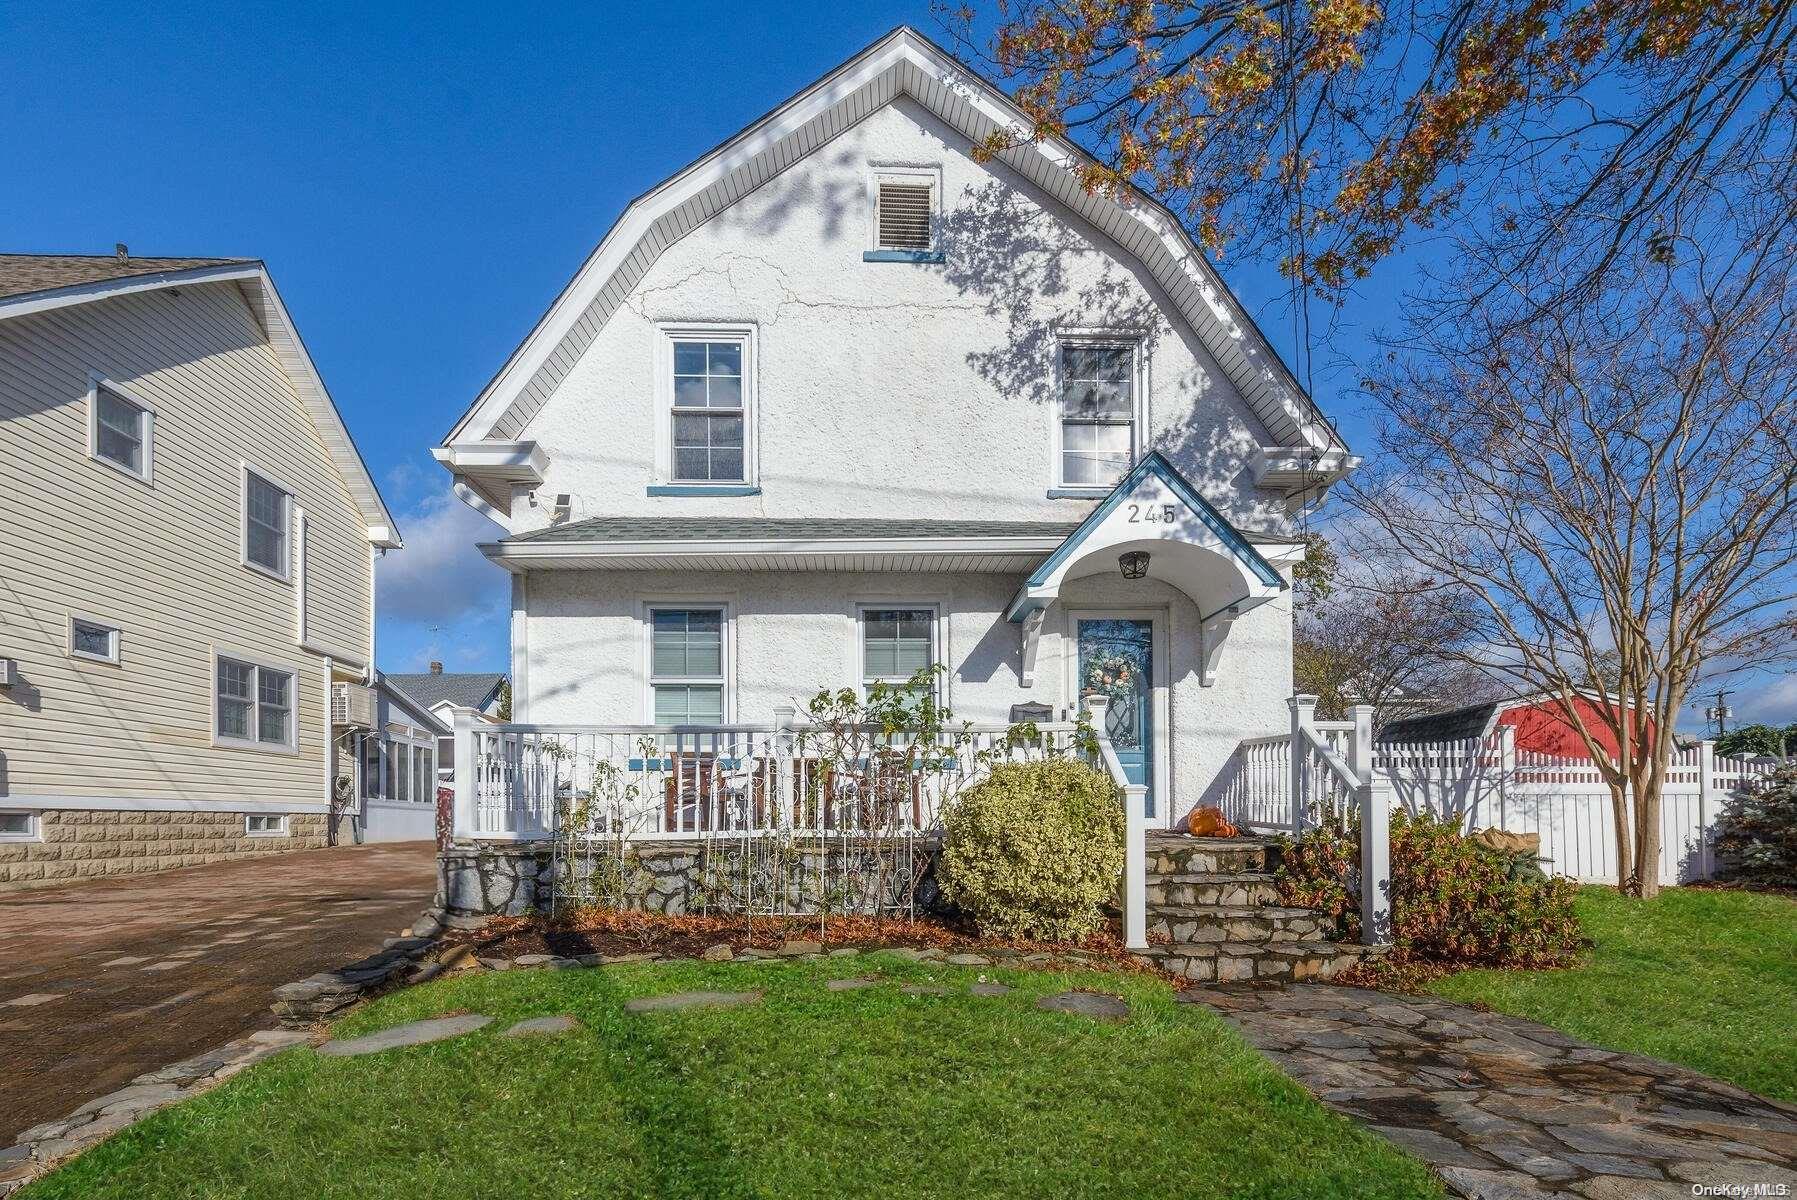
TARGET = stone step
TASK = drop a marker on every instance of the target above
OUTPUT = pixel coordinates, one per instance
(1177, 853)
(1187, 887)
(1246, 924)
(1228, 962)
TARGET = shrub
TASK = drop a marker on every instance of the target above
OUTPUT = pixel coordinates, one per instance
(1756, 833)
(1034, 850)
(1453, 900)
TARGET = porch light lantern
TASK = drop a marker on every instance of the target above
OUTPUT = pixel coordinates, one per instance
(1134, 564)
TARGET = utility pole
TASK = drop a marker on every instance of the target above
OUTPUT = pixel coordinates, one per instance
(1719, 712)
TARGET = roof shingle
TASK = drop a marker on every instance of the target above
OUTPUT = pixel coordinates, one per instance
(466, 689)
(23, 274)
(712, 529)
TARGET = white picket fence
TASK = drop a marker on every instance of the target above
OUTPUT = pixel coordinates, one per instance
(1484, 783)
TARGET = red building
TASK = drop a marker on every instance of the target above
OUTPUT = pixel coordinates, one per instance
(1540, 722)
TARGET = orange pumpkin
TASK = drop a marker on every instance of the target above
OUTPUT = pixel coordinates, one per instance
(1210, 822)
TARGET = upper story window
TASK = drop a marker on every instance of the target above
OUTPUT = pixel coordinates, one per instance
(686, 665)
(906, 202)
(254, 705)
(119, 432)
(708, 405)
(1096, 431)
(267, 523)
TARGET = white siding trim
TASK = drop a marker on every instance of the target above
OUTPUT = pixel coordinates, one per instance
(148, 804)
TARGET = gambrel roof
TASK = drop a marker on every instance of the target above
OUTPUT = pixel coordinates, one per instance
(904, 62)
(31, 283)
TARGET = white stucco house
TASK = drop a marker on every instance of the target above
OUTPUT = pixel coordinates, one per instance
(839, 400)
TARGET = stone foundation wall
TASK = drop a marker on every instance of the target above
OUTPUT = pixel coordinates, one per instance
(92, 844)
(475, 881)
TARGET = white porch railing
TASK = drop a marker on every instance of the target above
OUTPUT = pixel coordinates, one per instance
(661, 782)
(1320, 773)
(1135, 831)
(671, 781)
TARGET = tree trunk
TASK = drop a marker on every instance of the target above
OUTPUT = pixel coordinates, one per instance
(1649, 783)
(1625, 834)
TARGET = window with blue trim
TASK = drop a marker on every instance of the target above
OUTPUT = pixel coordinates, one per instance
(686, 665)
(708, 412)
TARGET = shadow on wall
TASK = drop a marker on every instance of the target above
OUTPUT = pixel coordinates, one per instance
(1038, 270)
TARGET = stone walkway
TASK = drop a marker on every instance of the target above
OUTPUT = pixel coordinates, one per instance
(102, 981)
(1506, 1109)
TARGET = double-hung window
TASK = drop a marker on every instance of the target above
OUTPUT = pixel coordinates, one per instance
(267, 508)
(686, 665)
(255, 705)
(896, 643)
(119, 432)
(1098, 413)
(710, 409)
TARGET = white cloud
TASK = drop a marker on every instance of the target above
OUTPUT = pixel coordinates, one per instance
(439, 578)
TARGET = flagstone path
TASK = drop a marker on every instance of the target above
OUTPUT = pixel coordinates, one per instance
(1506, 1109)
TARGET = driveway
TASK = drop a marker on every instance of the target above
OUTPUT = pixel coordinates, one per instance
(103, 981)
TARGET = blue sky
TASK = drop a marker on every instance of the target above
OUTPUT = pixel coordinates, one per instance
(422, 180)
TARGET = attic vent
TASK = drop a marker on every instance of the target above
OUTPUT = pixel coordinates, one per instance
(904, 216)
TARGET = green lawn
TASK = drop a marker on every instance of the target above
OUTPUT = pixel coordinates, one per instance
(1703, 978)
(811, 1093)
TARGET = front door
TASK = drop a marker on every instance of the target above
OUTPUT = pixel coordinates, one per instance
(1116, 660)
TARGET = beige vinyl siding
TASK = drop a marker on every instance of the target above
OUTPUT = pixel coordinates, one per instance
(163, 561)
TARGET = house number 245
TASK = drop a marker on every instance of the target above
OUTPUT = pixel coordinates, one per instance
(1151, 514)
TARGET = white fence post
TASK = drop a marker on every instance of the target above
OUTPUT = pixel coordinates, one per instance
(1706, 780)
(1304, 713)
(1360, 751)
(783, 766)
(1375, 862)
(1135, 828)
(1135, 867)
(464, 774)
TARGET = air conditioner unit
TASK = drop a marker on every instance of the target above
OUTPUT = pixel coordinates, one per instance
(352, 706)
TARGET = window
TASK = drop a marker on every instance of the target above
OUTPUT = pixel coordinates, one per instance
(903, 213)
(686, 665)
(18, 826)
(1098, 413)
(120, 431)
(708, 412)
(265, 824)
(255, 705)
(424, 768)
(265, 524)
(896, 643)
(93, 640)
(373, 754)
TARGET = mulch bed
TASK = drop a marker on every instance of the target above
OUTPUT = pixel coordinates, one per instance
(610, 931)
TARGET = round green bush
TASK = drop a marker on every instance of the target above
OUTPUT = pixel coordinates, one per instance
(1034, 850)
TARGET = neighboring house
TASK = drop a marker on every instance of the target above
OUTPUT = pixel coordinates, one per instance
(395, 767)
(444, 693)
(187, 537)
(1540, 723)
(839, 401)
